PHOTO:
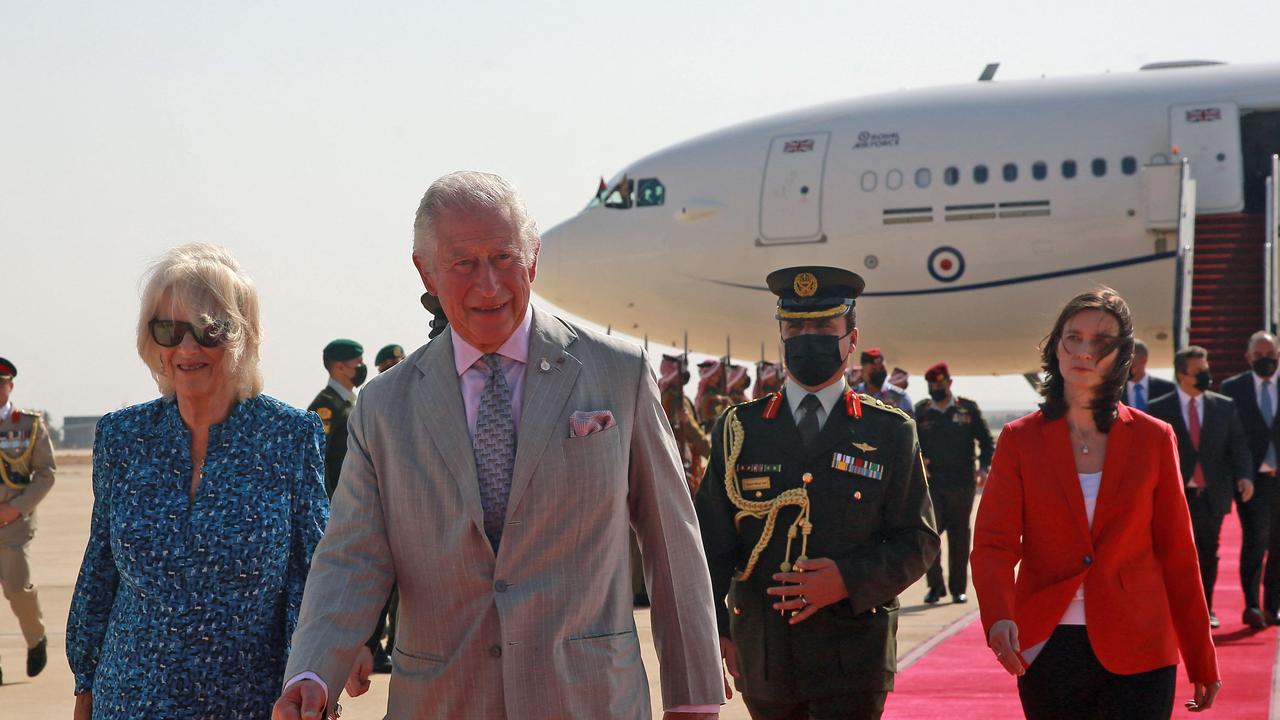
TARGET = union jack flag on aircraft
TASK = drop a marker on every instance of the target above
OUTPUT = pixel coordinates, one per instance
(795, 146)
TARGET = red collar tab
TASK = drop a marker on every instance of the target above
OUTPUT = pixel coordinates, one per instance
(852, 405)
(775, 402)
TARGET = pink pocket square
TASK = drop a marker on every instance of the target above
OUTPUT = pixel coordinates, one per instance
(586, 422)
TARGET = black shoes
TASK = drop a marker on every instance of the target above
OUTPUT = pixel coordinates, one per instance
(961, 598)
(38, 657)
(935, 594)
(381, 662)
(1214, 623)
(1254, 618)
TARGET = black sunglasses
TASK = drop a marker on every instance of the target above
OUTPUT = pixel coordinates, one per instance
(169, 333)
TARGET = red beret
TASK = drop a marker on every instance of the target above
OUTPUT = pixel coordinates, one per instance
(7, 370)
(937, 372)
(872, 355)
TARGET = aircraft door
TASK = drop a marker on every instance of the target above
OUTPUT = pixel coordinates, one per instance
(791, 193)
(1209, 135)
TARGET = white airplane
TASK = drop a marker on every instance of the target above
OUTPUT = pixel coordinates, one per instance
(973, 212)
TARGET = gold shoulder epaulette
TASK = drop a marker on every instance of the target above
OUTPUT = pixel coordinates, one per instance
(877, 403)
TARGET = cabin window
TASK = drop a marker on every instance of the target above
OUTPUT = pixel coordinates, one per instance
(1129, 165)
(979, 174)
(1010, 172)
(651, 192)
(1099, 167)
(1039, 170)
(869, 180)
(923, 178)
(951, 175)
(893, 179)
(1068, 169)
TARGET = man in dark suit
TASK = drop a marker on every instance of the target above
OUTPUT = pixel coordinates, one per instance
(1143, 388)
(1212, 452)
(1254, 392)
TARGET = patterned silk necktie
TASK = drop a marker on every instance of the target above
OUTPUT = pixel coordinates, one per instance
(808, 424)
(1268, 416)
(495, 449)
(1139, 397)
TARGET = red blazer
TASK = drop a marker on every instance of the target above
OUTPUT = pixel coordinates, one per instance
(1138, 562)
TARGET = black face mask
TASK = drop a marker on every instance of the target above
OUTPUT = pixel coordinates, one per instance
(938, 394)
(1264, 366)
(1203, 380)
(813, 359)
(877, 378)
(362, 372)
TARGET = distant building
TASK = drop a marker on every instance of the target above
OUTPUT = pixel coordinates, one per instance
(78, 431)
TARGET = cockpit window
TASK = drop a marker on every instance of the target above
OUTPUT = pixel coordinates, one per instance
(651, 192)
(619, 197)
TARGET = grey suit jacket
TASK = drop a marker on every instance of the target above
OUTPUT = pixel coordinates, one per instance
(545, 628)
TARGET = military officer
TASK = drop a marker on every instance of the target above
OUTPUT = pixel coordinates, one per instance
(344, 360)
(875, 382)
(815, 515)
(26, 476)
(388, 357)
(949, 426)
(712, 398)
(692, 441)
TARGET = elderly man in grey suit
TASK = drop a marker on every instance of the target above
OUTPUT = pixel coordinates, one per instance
(493, 475)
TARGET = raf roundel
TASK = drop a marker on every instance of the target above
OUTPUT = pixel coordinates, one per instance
(946, 264)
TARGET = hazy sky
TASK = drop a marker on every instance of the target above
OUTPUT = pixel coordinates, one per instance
(301, 136)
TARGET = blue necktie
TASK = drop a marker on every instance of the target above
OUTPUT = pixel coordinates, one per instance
(1139, 397)
(495, 449)
(1268, 416)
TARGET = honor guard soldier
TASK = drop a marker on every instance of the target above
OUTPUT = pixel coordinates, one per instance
(815, 515)
(344, 359)
(949, 426)
(875, 382)
(692, 441)
(388, 357)
(26, 476)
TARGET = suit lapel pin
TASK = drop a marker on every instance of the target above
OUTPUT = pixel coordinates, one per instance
(544, 366)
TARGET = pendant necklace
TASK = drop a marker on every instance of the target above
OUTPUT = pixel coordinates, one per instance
(1084, 446)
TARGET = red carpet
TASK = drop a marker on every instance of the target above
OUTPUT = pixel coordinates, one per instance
(960, 680)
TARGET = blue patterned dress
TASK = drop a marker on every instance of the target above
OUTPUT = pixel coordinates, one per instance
(184, 608)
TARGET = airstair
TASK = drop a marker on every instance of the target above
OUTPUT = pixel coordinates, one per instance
(1227, 277)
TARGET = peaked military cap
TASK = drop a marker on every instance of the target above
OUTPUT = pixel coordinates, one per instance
(7, 370)
(814, 291)
(342, 349)
(388, 352)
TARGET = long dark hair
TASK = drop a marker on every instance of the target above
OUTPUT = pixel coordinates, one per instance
(1108, 394)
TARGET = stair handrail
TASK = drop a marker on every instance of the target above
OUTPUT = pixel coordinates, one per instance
(1186, 257)
(1272, 256)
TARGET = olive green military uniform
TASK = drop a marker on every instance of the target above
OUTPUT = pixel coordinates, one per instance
(26, 476)
(947, 438)
(870, 513)
(333, 410)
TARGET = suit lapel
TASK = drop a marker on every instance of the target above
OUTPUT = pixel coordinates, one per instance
(439, 399)
(545, 394)
(1057, 445)
(1114, 466)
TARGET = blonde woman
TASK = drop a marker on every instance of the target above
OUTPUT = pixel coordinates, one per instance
(208, 502)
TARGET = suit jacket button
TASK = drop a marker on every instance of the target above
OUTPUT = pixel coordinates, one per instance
(1088, 560)
(495, 651)
(501, 586)
(737, 611)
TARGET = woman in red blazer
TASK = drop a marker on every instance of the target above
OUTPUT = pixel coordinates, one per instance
(1086, 494)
